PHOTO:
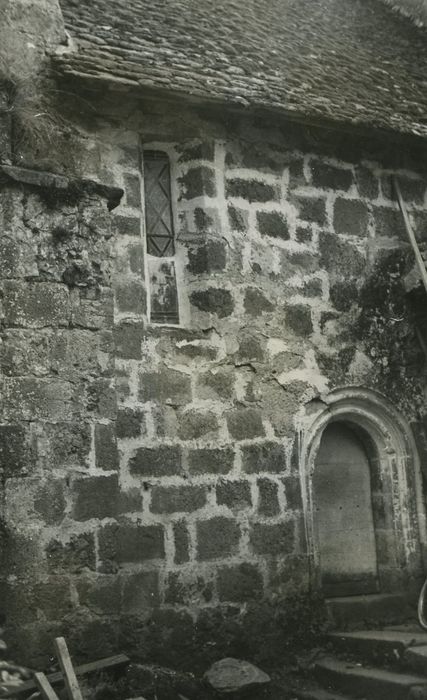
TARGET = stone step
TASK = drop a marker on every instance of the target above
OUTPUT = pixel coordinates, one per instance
(380, 646)
(369, 683)
(317, 694)
(361, 611)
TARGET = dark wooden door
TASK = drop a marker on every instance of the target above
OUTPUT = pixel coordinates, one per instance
(344, 524)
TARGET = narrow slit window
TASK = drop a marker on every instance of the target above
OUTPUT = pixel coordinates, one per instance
(160, 236)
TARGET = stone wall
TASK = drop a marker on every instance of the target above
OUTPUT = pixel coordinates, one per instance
(152, 503)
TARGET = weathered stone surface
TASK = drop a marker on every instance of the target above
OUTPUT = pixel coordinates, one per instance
(140, 591)
(211, 461)
(128, 338)
(101, 595)
(106, 453)
(131, 298)
(208, 258)
(49, 502)
(198, 182)
(216, 383)
(244, 423)
(156, 461)
(252, 190)
(239, 584)
(330, 176)
(165, 385)
(95, 497)
(214, 301)
(238, 218)
(350, 217)
(74, 556)
(127, 225)
(312, 209)
(129, 423)
(256, 303)
(234, 675)
(16, 456)
(217, 538)
(132, 186)
(337, 256)
(274, 224)
(264, 457)
(35, 305)
(193, 425)
(181, 541)
(298, 320)
(268, 501)
(234, 494)
(172, 499)
(277, 538)
(131, 542)
(388, 223)
(293, 492)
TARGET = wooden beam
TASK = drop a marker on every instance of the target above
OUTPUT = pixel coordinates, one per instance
(70, 678)
(45, 687)
(410, 233)
(54, 678)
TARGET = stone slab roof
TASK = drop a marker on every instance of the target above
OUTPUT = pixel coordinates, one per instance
(352, 61)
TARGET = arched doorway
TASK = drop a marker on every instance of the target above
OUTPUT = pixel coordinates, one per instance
(364, 428)
(343, 514)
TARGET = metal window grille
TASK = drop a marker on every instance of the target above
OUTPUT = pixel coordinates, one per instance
(158, 205)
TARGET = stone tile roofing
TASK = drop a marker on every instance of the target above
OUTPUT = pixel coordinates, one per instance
(353, 61)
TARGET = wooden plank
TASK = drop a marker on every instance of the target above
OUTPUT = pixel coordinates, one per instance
(410, 233)
(53, 678)
(70, 678)
(45, 687)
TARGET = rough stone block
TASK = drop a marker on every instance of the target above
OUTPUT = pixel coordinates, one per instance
(95, 497)
(132, 187)
(52, 598)
(252, 190)
(127, 225)
(339, 257)
(131, 297)
(413, 189)
(216, 383)
(101, 398)
(16, 456)
(208, 258)
(73, 556)
(239, 584)
(244, 423)
(304, 235)
(28, 398)
(175, 499)
(312, 209)
(131, 542)
(135, 256)
(350, 217)
(128, 339)
(194, 425)
(106, 453)
(330, 176)
(217, 538)
(198, 182)
(343, 294)
(182, 542)
(298, 320)
(256, 303)
(237, 219)
(388, 223)
(140, 591)
(129, 423)
(273, 224)
(268, 500)
(312, 288)
(202, 150)
(293, 493)
(101, 594)
(264, 457)
(214, 301)
(69, 444)
(49, 502)
(164, 460)
(234, 494)
(367, 182)
(166, 386)
(36, 304)
(250, 349)
(273, 539)
(211, 461)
